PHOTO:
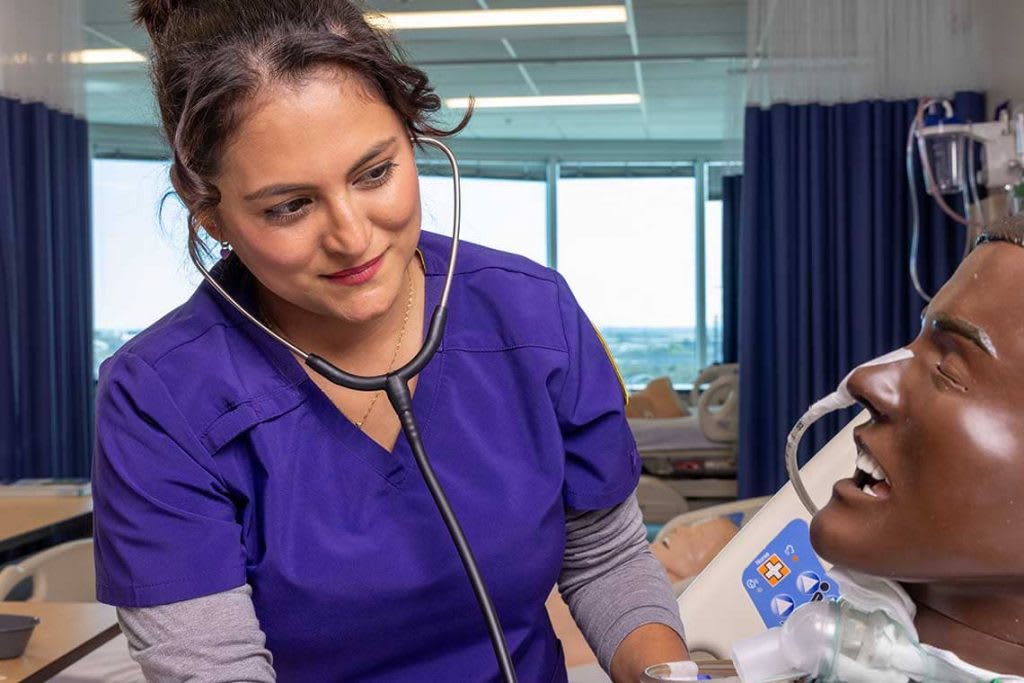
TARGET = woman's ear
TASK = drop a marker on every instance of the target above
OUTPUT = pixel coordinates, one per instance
(212, 229)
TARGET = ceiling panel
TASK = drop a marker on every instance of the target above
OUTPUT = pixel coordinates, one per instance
(453, 50)
(490, 81)
(584, 78)
(573, 46)
(689, 51)
(422, 5)
(724, 18)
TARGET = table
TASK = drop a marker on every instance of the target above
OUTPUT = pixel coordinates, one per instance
(24, 519)
(67, 631)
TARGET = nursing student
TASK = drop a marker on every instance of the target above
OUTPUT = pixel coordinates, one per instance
(255, 522)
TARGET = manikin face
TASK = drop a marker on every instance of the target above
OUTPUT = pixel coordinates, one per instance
(320, 197)
(947, 428)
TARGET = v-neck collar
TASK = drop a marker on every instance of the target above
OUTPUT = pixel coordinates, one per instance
(391, 465)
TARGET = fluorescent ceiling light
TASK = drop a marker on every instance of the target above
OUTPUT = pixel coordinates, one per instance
(488, 18)
(108, 56)
(545, 101)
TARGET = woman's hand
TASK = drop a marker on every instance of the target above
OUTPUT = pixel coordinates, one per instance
(646, 646)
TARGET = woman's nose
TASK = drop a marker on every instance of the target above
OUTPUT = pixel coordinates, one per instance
(349, 231)
(878, 388)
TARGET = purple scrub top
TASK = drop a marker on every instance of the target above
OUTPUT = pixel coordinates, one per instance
(220, 462)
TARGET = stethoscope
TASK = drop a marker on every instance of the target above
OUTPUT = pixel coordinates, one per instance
(396, 386)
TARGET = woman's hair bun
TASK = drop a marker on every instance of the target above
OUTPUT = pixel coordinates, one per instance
(154, 14)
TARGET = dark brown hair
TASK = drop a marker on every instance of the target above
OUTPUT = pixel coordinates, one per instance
(212, 56)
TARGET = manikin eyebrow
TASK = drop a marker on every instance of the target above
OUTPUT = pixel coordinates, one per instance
(275, 190)
(970, 331)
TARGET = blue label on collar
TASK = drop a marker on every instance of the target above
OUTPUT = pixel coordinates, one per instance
(787, 574)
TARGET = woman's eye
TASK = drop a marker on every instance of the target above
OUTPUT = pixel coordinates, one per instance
(289, 209)
(378, 175)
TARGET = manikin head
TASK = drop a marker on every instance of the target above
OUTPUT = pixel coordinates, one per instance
(947, 428)
(947, 431)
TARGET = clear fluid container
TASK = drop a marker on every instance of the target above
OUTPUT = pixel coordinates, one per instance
(946, 157)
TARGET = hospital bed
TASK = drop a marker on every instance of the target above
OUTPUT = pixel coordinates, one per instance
(716, 606)
(739, 512)
(732, 599)
(695, 455)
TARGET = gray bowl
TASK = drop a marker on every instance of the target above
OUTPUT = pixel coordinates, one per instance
(15, 630)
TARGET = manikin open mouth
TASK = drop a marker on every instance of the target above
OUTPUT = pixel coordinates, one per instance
(870, 478)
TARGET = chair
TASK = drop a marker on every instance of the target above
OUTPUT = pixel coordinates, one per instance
(715, 607)
(64, 573)
(67, 573)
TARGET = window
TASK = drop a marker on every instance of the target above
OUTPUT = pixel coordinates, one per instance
(715, 271)
(713, 287)
(626, 248)
(626, 236)
(520, 227)
(140, 264)
(132, 244)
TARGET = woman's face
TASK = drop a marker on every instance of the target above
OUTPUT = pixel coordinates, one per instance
(947, 429)
(320, 197)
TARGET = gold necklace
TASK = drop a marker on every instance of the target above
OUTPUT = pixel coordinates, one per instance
(394, 356)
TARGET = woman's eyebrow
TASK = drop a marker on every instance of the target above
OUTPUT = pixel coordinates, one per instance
(968, 330)
(373, 151)
(273, 190)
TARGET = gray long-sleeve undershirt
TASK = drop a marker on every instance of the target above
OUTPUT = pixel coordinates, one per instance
(610, 580)
(212, 639)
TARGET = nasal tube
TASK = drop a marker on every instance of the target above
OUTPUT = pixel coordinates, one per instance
(835, 642)
(837, 400)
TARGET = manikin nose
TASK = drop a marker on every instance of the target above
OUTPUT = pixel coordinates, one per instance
(877, 388)
(853, 385)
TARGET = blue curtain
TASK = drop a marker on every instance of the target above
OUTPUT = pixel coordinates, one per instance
(46, 389)
(824, 249)
(732, 193)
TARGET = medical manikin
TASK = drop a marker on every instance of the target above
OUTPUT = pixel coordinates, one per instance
(927, 537)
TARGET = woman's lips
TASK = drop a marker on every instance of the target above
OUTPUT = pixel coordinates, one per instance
(359, 274)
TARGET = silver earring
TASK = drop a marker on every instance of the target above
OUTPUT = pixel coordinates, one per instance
(225, 250)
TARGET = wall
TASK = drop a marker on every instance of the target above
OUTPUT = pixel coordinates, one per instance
(1002, 27)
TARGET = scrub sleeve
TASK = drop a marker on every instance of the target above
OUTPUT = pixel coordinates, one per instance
(165, 525)
(602, 465)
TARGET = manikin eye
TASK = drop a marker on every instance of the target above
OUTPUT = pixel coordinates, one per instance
(949, 377)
